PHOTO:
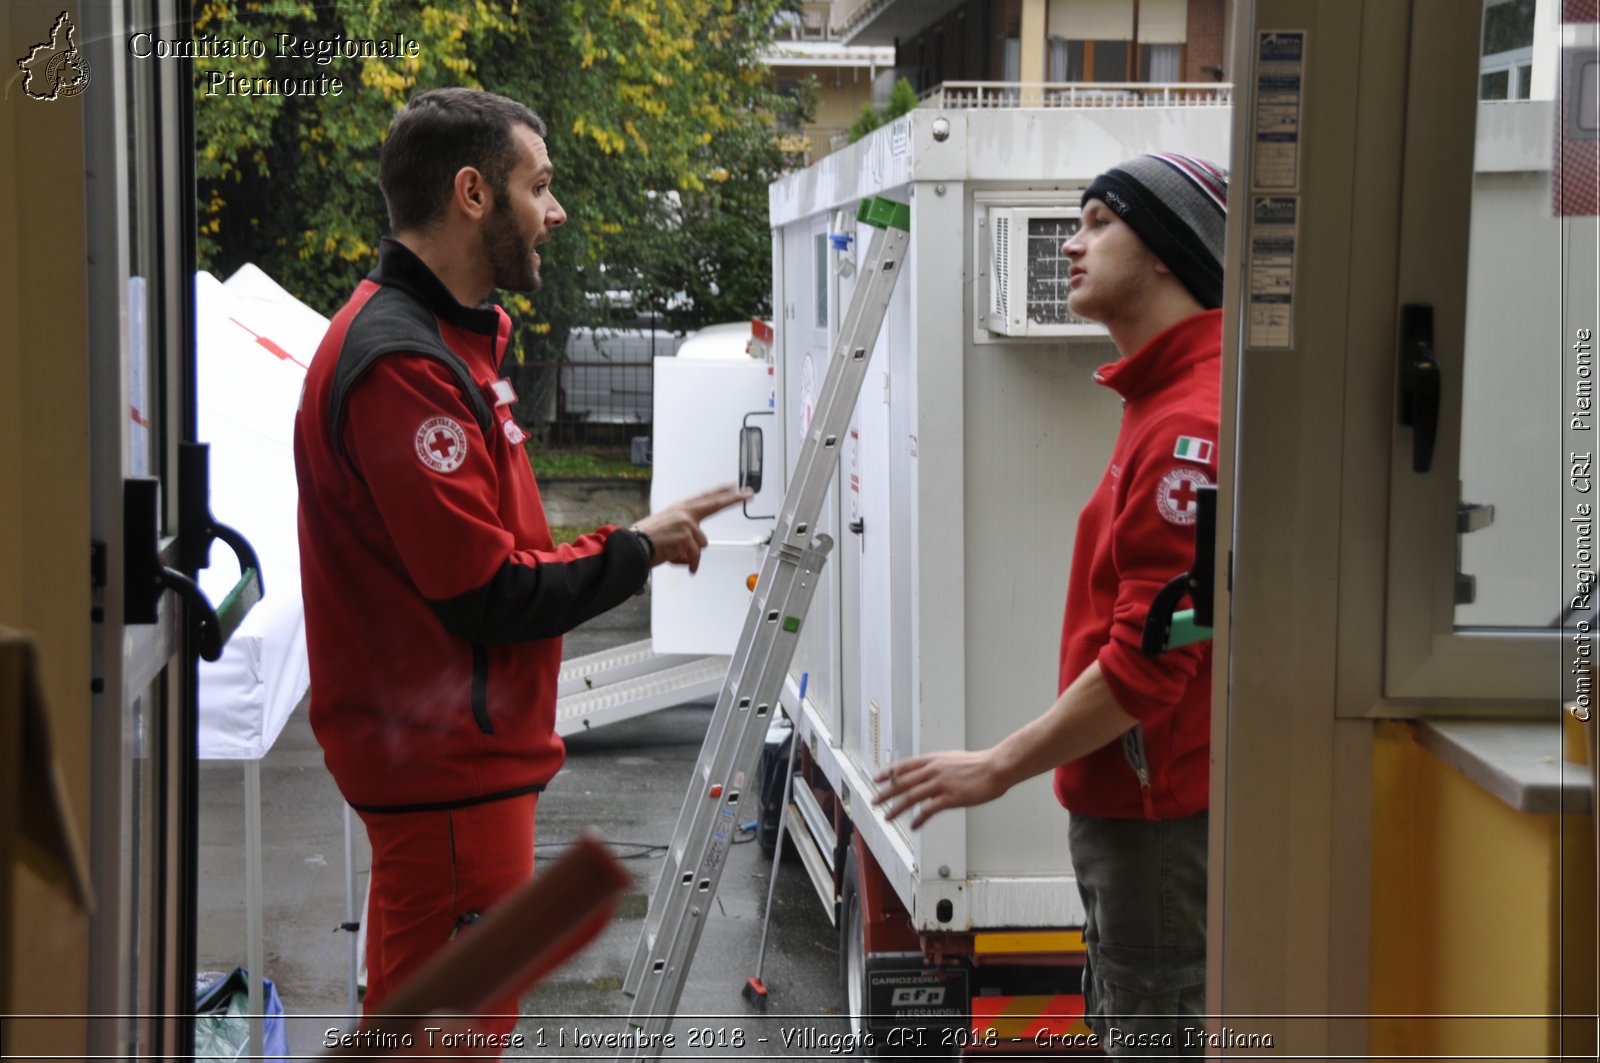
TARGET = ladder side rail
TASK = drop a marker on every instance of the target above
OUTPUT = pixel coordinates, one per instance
(749, 659)
(740, 667)
(801, 507)
(790, 573)
(795, 521)
(850, 365)
(716, 755)
(661, 985)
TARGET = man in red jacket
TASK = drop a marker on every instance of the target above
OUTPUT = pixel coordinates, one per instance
(435, 599)
(1129, 736)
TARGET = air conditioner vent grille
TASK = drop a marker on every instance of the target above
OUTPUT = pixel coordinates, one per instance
(1047, 272)
(1001, 304)
(1028, 275)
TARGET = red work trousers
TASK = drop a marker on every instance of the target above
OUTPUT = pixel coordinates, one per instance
(431, 870)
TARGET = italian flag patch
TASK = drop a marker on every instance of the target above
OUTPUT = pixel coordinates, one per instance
(1190, 448)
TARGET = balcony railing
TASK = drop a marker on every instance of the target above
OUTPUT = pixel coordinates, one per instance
(961, 95)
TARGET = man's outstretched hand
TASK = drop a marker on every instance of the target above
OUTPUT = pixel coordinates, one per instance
(675, 531)
(936, 781)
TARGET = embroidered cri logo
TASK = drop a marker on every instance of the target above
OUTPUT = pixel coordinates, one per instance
(55, 69)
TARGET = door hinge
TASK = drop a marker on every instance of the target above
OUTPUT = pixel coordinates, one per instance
(1470, 517)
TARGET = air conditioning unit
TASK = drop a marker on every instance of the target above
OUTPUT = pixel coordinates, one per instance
(1028, 273)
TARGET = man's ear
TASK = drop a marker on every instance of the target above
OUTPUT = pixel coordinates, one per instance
(472, 194)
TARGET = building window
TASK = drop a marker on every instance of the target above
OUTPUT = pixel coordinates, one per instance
(1112, 40)
(1066, 60)
(1505, 69)
(1108, 61)
(794, 89)
(1161, 62)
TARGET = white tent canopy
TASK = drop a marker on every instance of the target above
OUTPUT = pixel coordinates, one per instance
(254, 342)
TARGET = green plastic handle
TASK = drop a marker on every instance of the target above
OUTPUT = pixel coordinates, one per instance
(884, 213)
(240, 600)
(1185, 630)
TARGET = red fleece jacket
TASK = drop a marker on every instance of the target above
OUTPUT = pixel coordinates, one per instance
(1135, 534)
(435, 601)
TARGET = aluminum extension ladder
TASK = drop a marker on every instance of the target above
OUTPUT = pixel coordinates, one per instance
(726, 768)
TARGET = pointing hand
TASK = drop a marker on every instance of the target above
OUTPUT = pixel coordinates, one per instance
(675, 531)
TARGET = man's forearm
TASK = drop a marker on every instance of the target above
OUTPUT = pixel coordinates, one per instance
(1082, 720)
(1085, 717)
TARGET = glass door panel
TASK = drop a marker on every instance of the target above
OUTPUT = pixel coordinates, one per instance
(1496, 287)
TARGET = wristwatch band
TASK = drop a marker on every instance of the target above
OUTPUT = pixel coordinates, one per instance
(649, 545)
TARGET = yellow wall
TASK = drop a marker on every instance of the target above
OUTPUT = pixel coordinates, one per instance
(44, 491)
(1034, 18)
(840, 95)
(1030, 69)
(1471, 917)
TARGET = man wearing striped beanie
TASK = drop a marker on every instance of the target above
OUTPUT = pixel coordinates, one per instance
(1129, 735)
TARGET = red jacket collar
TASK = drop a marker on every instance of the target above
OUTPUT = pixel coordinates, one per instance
(1166, 359)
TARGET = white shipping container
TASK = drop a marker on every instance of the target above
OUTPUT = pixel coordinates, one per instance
(978, 436)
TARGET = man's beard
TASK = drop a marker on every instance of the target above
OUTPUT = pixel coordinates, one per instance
(510, 252)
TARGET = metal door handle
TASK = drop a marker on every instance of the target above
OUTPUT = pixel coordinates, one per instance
(752, 452)
(1165, 629)
(154, 568)
(1419, 383)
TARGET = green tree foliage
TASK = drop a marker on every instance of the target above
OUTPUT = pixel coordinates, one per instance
(291, 182)
(868, 120)
(902, 99)
(664, 130)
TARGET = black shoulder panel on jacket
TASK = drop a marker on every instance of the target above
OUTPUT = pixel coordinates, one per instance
(525, 602)
(392, 322)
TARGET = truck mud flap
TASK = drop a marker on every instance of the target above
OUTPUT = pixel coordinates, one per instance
(912, 1006)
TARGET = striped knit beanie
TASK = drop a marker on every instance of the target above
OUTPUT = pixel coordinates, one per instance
(1179, 207)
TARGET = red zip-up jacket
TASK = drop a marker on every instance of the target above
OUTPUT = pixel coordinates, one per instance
(435, 602)
(1135, 534)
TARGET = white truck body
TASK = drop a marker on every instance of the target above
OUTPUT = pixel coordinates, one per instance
(975, 442)
(703, 396)
(701, 406)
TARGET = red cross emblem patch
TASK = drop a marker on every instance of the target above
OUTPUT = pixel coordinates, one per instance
(1178, 495)
(441, 444)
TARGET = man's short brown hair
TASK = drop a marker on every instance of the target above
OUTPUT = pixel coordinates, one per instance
(436, 134)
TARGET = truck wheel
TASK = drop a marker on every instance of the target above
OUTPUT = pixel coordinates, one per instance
(853, 951)
(853, 971)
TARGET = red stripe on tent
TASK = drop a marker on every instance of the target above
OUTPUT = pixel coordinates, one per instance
(277, 351)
